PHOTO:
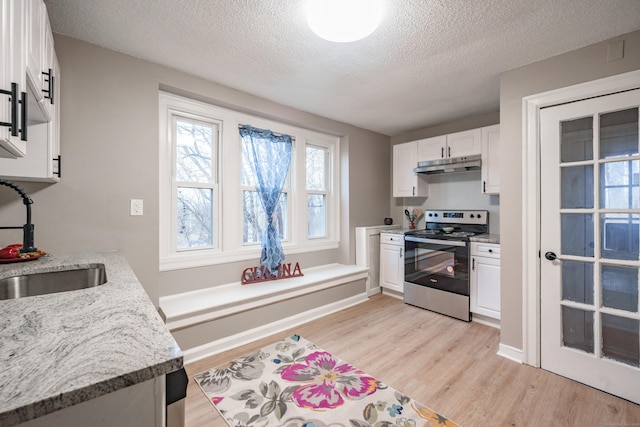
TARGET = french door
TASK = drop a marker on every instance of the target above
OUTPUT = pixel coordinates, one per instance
(589, 233)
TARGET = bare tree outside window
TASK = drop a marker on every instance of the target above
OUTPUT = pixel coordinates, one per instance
(316, 185)
(195, 177)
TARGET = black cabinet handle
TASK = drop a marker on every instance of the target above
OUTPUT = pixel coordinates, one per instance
(550, 256)
(448, 151)
(473, 264)
(442, 152)
(13, 125)
(23, 119)
(484, 186)
(59, 160)
(14, 109)
(13, 99)
(50, 79)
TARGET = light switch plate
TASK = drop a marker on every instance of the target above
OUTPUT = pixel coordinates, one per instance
(136, 207)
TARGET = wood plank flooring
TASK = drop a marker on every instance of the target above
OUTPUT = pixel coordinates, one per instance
(449, 365)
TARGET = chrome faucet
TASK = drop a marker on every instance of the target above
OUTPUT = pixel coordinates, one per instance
(28, 228)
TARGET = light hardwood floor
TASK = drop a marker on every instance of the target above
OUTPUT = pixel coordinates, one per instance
(449, 365)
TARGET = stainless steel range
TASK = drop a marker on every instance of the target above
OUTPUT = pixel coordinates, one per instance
(436, 271)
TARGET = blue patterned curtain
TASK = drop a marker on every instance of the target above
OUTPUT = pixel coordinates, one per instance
(270, 159)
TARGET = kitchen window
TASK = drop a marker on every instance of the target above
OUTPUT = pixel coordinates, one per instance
(253, 215)
(209, 210)
(194, 186)
(317, 171)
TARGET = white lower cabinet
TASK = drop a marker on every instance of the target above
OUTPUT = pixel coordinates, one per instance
(485, 279)
(392, 261)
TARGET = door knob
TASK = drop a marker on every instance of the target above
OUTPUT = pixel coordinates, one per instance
(550, 256)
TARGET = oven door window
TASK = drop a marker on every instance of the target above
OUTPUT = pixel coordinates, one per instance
(436, 262)
(439, 266)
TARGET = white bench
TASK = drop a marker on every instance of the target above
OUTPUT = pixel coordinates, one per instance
(190, 308)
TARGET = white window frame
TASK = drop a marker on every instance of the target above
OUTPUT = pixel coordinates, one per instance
(328, 174)
(228, 197)
(175, 116)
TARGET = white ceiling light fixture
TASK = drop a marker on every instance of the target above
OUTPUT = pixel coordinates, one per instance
(344, 20)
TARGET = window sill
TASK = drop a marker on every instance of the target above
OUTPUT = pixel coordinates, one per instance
(190, 308)
(194, 259)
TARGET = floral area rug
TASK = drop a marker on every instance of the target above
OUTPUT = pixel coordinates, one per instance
(293, 383)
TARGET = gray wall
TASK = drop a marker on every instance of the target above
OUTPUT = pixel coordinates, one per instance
(109, 140)
(582, 65)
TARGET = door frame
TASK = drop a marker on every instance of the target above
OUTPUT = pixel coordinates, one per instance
(531, 106)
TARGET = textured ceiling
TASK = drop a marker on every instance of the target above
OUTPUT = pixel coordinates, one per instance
(429, 62)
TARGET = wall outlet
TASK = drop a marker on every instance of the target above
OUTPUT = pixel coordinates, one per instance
(136, 207)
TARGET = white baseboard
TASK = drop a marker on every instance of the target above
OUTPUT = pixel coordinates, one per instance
(510, 353)
(227, 343)
(485, 320)
(394, 294)
(374, 291)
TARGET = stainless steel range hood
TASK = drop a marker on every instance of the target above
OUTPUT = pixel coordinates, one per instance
(455, 164)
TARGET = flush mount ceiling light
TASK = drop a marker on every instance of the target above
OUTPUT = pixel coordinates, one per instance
(344, 20)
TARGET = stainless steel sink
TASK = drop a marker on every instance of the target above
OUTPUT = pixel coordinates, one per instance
(27, 285)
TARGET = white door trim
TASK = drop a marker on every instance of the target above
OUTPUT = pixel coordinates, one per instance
(531, 106)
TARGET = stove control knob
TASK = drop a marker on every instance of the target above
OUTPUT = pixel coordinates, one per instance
(478, 216)
(430, 214)
(472, 216)
(435, 214)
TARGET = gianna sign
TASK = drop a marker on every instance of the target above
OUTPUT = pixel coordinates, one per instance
(262, 274)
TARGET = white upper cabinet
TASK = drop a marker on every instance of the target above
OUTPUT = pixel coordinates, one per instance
(490, 174)
(40, 57)
(432, 148)
(406, 183)
(37, 158)
(467, 143)
(13, 94)
(459, 144)
(42, 162)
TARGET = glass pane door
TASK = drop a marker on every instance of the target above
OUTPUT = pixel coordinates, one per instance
(590, 217)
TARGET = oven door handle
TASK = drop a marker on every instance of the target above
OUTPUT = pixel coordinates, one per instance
(435, 241)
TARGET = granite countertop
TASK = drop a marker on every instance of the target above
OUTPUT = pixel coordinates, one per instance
(401, 231)
(486, 238)
(61, 349)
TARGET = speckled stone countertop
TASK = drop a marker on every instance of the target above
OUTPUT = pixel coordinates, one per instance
(486, 238)
(396, 231)
(61, 349)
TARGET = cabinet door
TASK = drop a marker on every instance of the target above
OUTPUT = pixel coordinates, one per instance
(432, 148)
(485, 287)
(11, 71)
(35, 11)
(406, 183)
(391, 273)
(467, 143)
(491, 160)
(404, 160)
(5, 67)
(48, 74)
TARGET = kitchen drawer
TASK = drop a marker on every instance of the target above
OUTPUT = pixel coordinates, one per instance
(489, 250)
(392, 239)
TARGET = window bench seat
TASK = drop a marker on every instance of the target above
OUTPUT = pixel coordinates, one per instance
(190, 308)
